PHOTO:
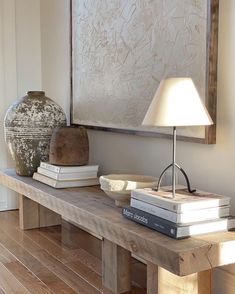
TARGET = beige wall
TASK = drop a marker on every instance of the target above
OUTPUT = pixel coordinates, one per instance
(28, 45)
(210, 168)
(20, 66)
(55, 39)
(8, 87)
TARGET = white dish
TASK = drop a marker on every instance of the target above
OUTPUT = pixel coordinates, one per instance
(119, 186)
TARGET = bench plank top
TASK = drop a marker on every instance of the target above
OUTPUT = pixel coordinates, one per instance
(91, 208)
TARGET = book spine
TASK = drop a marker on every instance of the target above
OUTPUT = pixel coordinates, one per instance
(79, 183)
(155, 210)
(45, 180)
(181, 218)
(50, 167)
(67, 176)
(209, 202)
(154, 201)
(77, 176)
(69, 169)
(150, 221)
(65, 184)
(48, 173)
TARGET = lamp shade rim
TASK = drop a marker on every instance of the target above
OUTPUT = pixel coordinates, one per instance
(177, 103)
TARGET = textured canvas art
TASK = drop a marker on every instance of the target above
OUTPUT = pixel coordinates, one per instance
(122, 49)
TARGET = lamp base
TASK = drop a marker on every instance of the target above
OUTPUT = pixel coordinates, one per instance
(190, 190)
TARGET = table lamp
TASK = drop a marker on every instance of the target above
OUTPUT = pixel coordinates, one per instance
(176, 103)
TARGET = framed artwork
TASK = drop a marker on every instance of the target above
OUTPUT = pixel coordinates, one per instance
(122, 49)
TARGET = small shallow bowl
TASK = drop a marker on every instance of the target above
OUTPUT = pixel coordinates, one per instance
(119, 186)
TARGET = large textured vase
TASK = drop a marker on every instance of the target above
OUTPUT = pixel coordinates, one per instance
(28, 126)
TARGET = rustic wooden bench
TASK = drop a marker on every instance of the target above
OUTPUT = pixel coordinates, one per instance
(173, 266)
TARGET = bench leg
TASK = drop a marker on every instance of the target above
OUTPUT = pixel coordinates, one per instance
(205, 282)
(116, 267)
(152, 278)
(33, 215)
(160, 281)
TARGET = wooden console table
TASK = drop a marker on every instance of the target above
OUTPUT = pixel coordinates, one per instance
(173, 266)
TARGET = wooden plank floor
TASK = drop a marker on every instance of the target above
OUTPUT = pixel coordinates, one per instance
(52, 260)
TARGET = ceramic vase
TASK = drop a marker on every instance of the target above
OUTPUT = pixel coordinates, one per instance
(28, 126)
(69, 146)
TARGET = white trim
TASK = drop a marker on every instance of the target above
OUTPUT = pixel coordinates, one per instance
(8, 87)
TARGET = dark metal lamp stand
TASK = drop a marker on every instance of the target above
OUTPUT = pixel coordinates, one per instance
(174, 165)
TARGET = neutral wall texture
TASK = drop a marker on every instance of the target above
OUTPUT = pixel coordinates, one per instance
(28, 44)
(20, 66)
(210, 168)
(55, 39)
(8, 86)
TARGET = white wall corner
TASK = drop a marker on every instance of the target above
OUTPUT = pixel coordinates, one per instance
(28, 46)
(8, 87)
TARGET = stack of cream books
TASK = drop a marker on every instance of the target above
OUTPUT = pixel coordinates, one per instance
(183, 216)
(58, 176)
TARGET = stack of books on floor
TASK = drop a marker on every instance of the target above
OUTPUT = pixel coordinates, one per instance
(183, 216)
(67, 176)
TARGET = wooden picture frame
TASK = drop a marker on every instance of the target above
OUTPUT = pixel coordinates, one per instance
(92, 33)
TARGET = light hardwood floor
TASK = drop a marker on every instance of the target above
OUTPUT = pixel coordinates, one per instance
(53, 260)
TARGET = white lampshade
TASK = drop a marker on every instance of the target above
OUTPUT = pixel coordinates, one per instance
(177, 103)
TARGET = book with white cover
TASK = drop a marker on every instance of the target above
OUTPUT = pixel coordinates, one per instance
(67, 176)
(175, 230)
(183, 200)
(65, 184)
(68, 169)
(185, 217)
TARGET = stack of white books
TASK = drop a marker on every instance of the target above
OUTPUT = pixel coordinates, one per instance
(183, 216)
(58, 176)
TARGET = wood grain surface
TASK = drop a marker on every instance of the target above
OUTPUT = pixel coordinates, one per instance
(33, 215)
(92, 209)
(40, 261)
(116, 267)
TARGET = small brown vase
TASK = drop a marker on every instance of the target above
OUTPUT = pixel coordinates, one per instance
(69, 146)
